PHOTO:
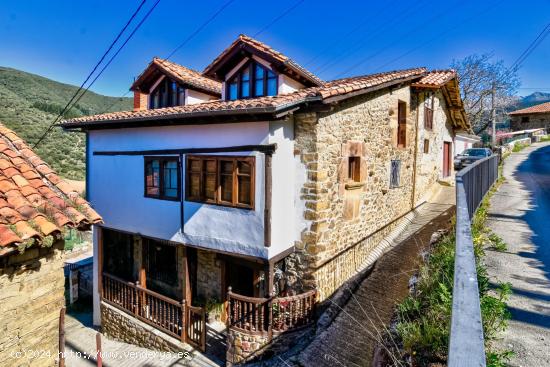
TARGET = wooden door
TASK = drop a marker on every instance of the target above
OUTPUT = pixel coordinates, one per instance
(446, 159)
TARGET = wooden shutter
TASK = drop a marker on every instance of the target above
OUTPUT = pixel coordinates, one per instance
(402, 124)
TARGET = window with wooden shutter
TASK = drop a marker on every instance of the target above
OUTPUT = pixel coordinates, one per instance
(354, 169)
(429, 112)
(402, 124)
(221, 180)
(162, 178)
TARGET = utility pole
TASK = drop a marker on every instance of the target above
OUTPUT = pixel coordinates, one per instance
(494, 116)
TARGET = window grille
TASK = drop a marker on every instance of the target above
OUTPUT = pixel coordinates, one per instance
(395, 173)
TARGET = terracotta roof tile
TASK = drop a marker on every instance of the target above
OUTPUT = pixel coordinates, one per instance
(539, 108)
(436, 78)
(28, 189)
(336, 88)
(184, 75)
(262, 47)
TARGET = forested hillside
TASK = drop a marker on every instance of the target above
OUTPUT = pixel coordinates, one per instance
(29, 103)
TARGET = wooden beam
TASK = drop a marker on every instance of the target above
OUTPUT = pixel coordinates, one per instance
(267, 148)
(267, 200)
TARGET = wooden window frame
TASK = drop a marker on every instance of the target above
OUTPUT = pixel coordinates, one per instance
(162, 162)
(401, 125)
(426, 146)
(354, 169)
(429, 112)
(251, 66)
(235, 188)
(173, 97)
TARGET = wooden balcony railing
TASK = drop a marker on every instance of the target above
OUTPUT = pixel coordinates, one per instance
(175, 318)
(270, 315)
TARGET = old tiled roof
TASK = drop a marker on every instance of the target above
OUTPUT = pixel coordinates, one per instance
(265, 49)
(341, 88)
(540, 108)
(34, 201)
(183, 75)
(436, 78)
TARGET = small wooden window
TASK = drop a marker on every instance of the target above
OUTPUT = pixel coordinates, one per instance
(402, 124)
(221, 180)
(395, 173)
(354, 169)
(162, 178)
(429, 112)
(426, 146)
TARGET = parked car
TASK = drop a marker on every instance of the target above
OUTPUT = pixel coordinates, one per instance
(471, 155)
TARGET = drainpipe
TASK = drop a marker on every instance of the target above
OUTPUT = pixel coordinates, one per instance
(415, 150)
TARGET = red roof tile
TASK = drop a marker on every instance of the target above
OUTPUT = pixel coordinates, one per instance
(265, 49)
(540, 108)
(338, 88)
(184, 75)
(436, 78)
(31, 204)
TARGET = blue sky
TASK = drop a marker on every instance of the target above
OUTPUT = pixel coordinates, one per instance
(62, 40)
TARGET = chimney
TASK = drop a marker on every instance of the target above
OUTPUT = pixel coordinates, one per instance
(140, 101)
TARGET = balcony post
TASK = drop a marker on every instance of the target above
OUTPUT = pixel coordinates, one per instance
(267, 199)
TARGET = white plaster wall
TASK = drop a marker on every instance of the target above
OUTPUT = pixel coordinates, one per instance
(116, 187)
(193, 97)
(288, 85)
(461, 144)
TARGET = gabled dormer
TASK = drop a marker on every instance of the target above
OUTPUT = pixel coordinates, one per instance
(167, 84)
(249, 68)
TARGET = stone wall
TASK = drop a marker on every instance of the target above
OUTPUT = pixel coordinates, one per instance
(118, 325)
(32, 292)
(242, 347)
(340, 216)
(208, 276)
(430, 163)
(536, 121)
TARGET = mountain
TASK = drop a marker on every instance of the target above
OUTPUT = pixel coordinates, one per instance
(532, 99)
(29, 103)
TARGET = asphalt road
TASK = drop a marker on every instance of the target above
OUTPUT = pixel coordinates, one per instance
(520, 215)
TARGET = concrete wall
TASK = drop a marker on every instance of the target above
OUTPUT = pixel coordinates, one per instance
(32, 288)
(116, 187)
(536, 121)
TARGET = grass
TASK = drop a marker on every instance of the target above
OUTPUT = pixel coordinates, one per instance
(545, 138)
(422, 325)
(29, 103)
(519, 147)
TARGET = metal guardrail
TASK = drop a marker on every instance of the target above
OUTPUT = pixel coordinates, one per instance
(466, 347)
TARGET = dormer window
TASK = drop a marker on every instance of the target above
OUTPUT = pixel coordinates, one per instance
(167, 93)
(253, 80)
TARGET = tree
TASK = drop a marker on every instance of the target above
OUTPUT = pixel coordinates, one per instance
(478, 75)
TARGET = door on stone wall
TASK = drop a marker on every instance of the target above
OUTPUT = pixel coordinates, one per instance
(446, 159)
(240, 278)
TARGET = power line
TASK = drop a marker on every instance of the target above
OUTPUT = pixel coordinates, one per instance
(356, 47)
(64, 110)
(440, 35)
(281, 16)
(104, 67)
(200, 28)
(407, 34)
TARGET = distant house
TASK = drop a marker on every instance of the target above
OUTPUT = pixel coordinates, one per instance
(533, 117)
(464, 140)
(255, 185)
(36, 208)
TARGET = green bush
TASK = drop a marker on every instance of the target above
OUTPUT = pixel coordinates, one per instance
(423, 319)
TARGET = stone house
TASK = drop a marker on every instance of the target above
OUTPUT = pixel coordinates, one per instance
(36, 208)
(533, 117)
(256, 186)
